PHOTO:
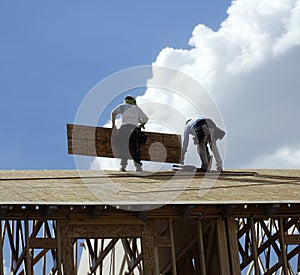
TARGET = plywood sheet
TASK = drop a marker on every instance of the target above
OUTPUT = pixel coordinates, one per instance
(97, 141)
(165, 187)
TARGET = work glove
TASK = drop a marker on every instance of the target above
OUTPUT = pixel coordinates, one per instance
(142, 125)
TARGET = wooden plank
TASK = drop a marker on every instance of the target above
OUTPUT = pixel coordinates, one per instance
(156, 261)
(283, 247)
(254, 246)
(42, 243)
(210, 243)
(201, 249)
(96, 141)
(173, 251)
(233, 246)
(28, 256)
(149, 262)
(292, 239)
(224, 267)
(67, 255)
(40, 256)
(59, 249)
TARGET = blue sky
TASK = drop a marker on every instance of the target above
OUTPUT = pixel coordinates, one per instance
(246, 53)
(53, 52)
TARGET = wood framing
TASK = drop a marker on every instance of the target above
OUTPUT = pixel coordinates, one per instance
(223, 242)
(184, 236)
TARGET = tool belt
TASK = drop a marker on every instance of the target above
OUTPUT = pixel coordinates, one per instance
(218, 133)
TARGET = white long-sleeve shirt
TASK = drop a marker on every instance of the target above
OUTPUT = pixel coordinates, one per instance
(188, 130)
(131, 114)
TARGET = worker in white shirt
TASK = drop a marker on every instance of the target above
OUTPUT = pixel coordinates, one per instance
(205, 132)
(130, 136)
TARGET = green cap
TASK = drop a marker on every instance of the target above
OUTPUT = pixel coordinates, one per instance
(130, 100)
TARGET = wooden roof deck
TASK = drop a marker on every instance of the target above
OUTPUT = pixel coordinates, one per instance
(72, 187)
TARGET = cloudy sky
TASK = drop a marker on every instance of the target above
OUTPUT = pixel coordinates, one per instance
(249, 65)
(244, 53)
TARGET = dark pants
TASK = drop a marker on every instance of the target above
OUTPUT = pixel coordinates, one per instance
(206, 135)
(128, 143)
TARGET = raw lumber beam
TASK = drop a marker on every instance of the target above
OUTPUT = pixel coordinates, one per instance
(97, 141)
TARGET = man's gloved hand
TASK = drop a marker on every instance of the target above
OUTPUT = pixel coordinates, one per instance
(142, 125)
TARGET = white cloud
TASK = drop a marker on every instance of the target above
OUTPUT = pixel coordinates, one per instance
(253, 32)
(291, 36)
(250, 67)
(285, 157)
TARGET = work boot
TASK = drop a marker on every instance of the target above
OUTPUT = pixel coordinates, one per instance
(139, 169)
(220, 169)
(123, 169)
(138, 166)
(202, 169)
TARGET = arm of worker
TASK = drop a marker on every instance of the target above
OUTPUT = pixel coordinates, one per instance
(143, 119)
(114, 115)
(185, 143)
(113, 120)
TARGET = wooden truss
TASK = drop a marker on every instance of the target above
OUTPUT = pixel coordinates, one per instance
(173, 239)
(31, 243)
(269, 246)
